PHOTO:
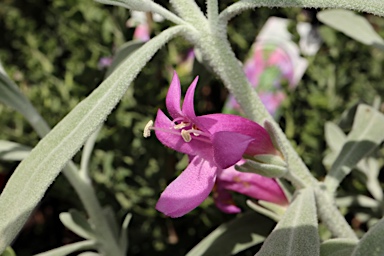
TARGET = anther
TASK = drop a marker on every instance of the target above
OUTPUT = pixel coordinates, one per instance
(194, 128)
(186, 136)
(147, 129)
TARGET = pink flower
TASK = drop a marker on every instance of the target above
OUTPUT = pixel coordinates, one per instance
(213, 143)
(250, 184)
(274, 59)
(142, 32)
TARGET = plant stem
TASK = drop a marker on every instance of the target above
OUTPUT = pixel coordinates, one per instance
(219, 55)
(374, 6)
(331, 216)
(103, 231)
(213, 14)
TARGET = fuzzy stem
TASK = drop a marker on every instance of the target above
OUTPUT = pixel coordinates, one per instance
(331, 216)
(84, 189)
(190, 12)
(213, 14)
(218, 53)
(373, 6)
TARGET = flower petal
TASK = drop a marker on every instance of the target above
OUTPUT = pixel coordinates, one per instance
(173, 99)
(252, 185)
(188, 190)
(223, 200)
(229, 147)
(171, 138)
(188, 105)
(262, 143)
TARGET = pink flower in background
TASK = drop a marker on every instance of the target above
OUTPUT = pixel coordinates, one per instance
(274, 60)
(213, 143)
(140, 21)
(250, 184)
(142, 32)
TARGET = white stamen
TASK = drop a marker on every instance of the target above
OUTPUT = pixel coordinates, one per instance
(186, 136)
(180, 125)
(147, 129)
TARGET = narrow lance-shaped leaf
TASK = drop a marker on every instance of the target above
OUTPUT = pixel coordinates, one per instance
(11, 96)
(70, 248)
(239, 234)
(33, 176)
(77, 223)
(335, 139)
(123, 239)
(372, 243)
(337, 247)
(365, 136)
(296, 233)
(353, 25)
(123, 53)
(12, 151)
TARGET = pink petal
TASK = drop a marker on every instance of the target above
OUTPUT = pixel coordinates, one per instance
(188, 105)
(188, 190)
(229, 147)
(261, 143)
(172, 101)
(172, 138)
(252, 185)
(223, 200)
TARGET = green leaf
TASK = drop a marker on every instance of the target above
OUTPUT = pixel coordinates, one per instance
(372, 243)
(11, 96)
(123, 240)
(354, 26)
(86, 154)
(123, 53)
(359, 200)
(335, 139)
(8, 252)
(70, 248)
(12, 151)
(365, 136)
(371, 168)
(35, 173)
(247, 230)
(110, 216)
(264, 211)
(296, 233)
(337, 247)
(77, 223)
(334, 136)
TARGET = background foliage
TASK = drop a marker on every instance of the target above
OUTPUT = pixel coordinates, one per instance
(52, 48)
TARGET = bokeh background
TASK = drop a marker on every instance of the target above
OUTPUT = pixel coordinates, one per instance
(52, 49)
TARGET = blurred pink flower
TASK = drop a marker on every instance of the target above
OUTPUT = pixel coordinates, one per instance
(140, 21)
(142, 32)
(213, 142)
(274, 60)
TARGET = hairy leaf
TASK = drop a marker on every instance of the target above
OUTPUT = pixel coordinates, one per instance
(296, 233)
(34, 175)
